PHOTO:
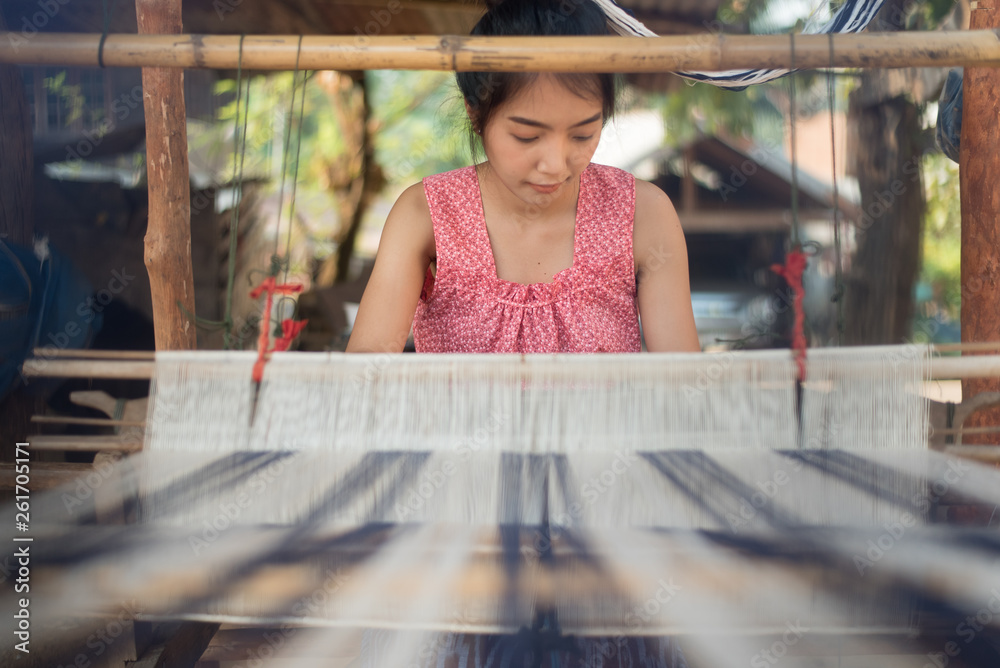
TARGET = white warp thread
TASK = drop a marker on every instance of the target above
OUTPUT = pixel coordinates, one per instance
(865, 398)
(538, 404)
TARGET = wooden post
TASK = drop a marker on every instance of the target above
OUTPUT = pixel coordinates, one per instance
(168, 235)
(17, 223)
(979, 165)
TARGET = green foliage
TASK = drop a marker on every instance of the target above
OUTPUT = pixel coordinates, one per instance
(703, 109)
(420, 116)
(941, 273)
(270, 117)
(413, 114)
(71, 100)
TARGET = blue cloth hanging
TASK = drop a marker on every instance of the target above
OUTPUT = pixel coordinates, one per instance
(949, 120)
(853, 16)
(43, 302)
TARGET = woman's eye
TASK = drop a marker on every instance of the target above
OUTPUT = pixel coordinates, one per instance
(525, 140)
(581, 139)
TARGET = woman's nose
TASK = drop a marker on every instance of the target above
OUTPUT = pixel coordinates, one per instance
(555, 157)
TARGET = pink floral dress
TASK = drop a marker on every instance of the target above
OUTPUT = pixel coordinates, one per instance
(588, 307)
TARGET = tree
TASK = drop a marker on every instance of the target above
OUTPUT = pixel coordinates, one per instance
(888, 152)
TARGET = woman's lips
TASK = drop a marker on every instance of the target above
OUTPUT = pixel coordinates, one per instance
(546, 189)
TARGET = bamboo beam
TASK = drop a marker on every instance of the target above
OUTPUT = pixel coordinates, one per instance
(979, 164)
(59, 368)
(85, 443)
(80, 353)
(940, 368)
(168, 234)
(541, 54)
(88, 422)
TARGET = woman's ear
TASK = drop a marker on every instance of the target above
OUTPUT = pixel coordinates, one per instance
(473, 118)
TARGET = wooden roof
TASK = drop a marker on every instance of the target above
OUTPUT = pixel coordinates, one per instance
(385, 17)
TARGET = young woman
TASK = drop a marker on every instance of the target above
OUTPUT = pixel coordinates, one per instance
(535, 249)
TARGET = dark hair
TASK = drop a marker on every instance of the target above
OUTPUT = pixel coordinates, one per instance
(484, 92)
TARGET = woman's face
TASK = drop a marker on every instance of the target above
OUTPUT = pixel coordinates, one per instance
(540, 140)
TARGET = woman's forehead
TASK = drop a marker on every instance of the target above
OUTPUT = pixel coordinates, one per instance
(546, 95)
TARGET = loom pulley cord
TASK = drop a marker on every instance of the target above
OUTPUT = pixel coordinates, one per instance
(791, 271)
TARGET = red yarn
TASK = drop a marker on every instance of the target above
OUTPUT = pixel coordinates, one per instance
(791, 271)
(289, 328)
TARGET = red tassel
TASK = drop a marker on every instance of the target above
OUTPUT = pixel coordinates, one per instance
(289, 328)
(791, 271)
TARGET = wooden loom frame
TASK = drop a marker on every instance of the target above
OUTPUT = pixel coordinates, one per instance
(455, 53)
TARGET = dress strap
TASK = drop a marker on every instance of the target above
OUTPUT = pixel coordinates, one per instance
(606, 216)
(456, 212)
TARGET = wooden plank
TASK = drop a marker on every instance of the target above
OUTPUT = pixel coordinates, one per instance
(94, 354)
(182, 648)
(298, 642)
(987, 454)
(60, 368)
(84, 443)
(93, 422)
(168, 232)
(979, 164)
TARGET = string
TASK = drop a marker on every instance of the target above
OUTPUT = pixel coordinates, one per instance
(838, 293)
(796, 237)
(284, 158)
(295, 173)
(104, 32)
(234, 225)
(795, 260)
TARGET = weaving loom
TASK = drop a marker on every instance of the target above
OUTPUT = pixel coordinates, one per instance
(706, 497)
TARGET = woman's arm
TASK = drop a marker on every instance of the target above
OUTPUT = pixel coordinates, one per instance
(390, 300)
(662, 272)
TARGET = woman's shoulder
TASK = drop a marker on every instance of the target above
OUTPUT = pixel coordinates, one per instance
(649, 198)
(461, 175)
(610, 176)
(412, 202)
(409, 221)
(656, 221)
